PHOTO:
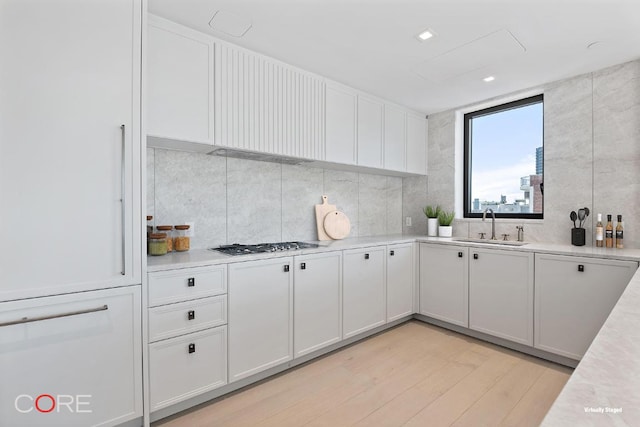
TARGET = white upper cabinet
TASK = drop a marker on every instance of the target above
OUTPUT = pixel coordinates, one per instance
(266, 106)
(416, 144)
(341, 119)
(395, 138)
(69, 146)
(179, 83)
(370, 132)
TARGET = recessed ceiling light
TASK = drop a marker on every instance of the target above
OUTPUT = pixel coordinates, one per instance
(425, 35)
(489, 79)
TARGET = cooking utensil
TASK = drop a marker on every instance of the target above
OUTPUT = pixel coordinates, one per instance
(337, 225)
(581, 216)
(573, 215)
(321, 212)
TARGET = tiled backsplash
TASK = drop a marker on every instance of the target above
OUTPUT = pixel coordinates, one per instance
(244, 201)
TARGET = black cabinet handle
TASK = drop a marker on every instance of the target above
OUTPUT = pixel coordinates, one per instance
(192, 348)
(286, 268)
(475, 256)
(581, 268)
(191, 314)
(303, 266)
(392, 253)
(459, 254)
(366, 256)
(191, 282)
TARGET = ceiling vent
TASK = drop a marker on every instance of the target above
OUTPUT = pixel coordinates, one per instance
(230, 24)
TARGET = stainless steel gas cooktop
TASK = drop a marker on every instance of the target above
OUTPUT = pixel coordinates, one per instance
(238, 249)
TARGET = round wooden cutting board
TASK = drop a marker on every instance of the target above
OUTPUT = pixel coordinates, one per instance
(337, 225)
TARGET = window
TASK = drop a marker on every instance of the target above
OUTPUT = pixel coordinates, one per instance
(503, 160)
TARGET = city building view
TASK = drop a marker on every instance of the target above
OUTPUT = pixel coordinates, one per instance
(531, 197)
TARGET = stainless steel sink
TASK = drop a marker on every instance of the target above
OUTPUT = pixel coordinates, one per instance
(491, 242)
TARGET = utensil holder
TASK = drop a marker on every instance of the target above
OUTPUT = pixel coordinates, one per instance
(577, 236)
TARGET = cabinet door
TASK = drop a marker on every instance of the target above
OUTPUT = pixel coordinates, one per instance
(186, 366)
(416, 144)
(179, 82)
(501, 294)
(444, 283)
(69, 146)
(317, 315)
(79, 356)
(400, 281)
(260, 316)
(341, 125)
(364, 303)
(370, 125)
(574, 297)
(395, 138)
(266, 106)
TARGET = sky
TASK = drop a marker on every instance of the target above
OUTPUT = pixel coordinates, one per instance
(504, 150)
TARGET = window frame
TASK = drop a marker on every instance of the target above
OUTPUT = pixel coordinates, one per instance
(467, 203)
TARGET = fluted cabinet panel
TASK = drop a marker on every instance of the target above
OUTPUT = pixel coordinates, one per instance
(267, 107)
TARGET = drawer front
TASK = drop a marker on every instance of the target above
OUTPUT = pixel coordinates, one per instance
(186, 284)
(171, 320)
(183, 367)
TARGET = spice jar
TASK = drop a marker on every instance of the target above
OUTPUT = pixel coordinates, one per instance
(168, 230)
(182, 240)
(157, 244)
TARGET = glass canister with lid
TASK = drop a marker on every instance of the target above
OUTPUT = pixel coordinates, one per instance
(157, 244)
(168, 230)
(182, 241)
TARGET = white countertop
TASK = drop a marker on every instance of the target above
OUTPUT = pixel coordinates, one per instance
(604, 388)
(203, 257)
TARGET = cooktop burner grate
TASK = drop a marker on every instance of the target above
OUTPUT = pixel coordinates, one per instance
(238, 249)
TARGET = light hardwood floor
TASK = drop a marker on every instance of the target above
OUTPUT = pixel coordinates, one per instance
(413, 375)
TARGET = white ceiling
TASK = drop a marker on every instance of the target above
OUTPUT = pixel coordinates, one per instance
(371, 44)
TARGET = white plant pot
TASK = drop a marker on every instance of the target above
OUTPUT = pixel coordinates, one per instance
(445, 231)
(432, 227)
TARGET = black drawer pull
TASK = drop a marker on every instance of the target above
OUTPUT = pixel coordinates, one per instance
(192, 348)
(459, 254)
(286, 268)
(580, 268)
(191, 315)
(303, 266)
(475, 256)
(191, 282)
(392, 253)
(366, 256)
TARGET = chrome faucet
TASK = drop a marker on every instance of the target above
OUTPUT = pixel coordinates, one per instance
(493, 222)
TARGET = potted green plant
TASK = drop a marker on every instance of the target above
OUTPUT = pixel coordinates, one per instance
(445, 219)
(432, 213)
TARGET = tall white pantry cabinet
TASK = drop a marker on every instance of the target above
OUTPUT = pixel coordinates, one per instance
(70, 205)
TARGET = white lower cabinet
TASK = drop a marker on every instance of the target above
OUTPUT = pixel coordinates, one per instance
(187, 366)
(574, 297)
(317, 314)
(501, 294)
(260, 316)
(444, 283)
(364, 305)
(187, 333)
(400, 281)
(71, 360)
